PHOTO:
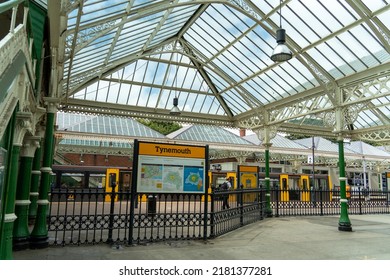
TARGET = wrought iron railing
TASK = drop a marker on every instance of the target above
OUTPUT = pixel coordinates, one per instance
(94, 216)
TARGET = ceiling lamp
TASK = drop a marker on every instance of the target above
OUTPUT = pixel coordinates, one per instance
(281, 52)
(175, 110)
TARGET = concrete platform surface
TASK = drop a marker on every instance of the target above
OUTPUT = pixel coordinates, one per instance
(282, 238)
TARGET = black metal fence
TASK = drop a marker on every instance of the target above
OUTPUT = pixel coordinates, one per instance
(91, 216)
(321, 202)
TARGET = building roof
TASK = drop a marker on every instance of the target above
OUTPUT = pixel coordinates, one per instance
(132, 58)
(206, 133)
(278, 141)
(365, 149)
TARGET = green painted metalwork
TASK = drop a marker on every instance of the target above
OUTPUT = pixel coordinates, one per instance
(38, 19)
(35, 185)
(6, 228)
(39, 235)
(344, 222)
(21, 232)
(7, 231)
(8, 77)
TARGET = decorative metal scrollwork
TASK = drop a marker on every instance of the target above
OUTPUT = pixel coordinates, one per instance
(247, 8)
(329, 118)
(351, 113)
(87, 34)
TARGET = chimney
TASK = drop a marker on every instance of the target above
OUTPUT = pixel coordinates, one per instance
(242, 132)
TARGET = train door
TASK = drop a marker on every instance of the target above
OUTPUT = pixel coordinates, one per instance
(325, 186)
(112, 183)
(294, 186)
(284, 188)
(304, 186)
(124, 184)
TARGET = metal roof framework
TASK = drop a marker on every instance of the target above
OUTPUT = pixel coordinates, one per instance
(131, 58)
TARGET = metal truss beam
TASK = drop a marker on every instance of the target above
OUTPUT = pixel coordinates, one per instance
(100, 108)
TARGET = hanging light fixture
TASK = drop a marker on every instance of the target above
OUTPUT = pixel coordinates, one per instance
(281, 52)
(175, 111)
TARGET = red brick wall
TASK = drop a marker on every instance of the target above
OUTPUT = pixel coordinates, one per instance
(99, 160)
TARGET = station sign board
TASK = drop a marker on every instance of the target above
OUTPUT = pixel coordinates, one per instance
(170, 168)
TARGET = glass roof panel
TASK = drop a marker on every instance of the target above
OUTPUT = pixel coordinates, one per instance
(374, 5)
(94, 11)
(177, 18)
(367, 119)
(368, 41)
(328, 60)
(385, 17)
(235, 101)
(308, 21)
(104, 125)
(224, 54)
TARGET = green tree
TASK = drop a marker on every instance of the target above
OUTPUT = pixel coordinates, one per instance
(161, 126)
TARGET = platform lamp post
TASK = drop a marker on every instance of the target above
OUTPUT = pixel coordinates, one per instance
(344, 222)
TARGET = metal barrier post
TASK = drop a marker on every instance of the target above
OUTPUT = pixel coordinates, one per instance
(206, 202)
(111, 219)
(212, 211)
(241, 205)
(276, 191)
(321, 204)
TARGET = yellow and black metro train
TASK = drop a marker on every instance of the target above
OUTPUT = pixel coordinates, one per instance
(291, 186)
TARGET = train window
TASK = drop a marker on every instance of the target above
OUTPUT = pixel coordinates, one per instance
(71, 180)
(112, 180)
(304, 184)
(275, 184)
(284, 184)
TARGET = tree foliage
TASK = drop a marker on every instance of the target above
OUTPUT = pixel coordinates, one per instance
(297, 136)
(161, 126)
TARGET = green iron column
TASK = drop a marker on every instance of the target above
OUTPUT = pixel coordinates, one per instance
(35, 176)
(7, 212)
(39, 235)
(21, 233)
(10, 217)
(268, 210)
(21, 127)
(344, 222)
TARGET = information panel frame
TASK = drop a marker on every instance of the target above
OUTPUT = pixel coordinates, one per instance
(170, 168)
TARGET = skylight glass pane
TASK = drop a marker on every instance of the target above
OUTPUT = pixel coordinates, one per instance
(374, 5)
(328, 60)
(235, 102)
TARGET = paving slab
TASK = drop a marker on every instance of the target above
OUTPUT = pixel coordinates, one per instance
(276, 238)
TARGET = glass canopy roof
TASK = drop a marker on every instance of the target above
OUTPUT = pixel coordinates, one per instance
(104, 125)
(131, 58)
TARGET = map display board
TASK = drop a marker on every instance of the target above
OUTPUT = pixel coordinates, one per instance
(171, 168)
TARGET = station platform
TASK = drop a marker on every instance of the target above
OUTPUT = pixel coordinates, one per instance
(276, 238)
